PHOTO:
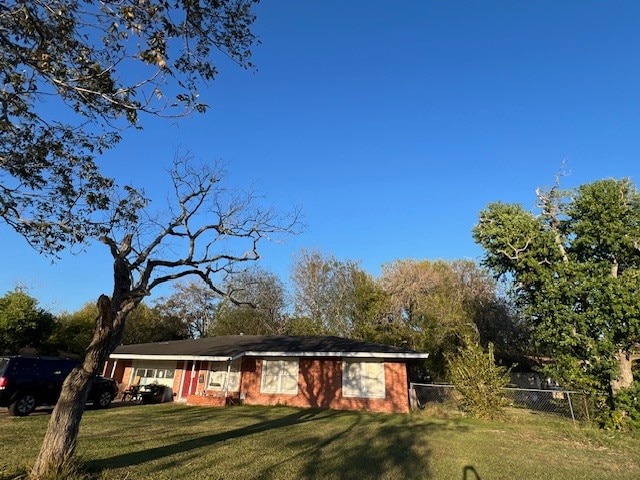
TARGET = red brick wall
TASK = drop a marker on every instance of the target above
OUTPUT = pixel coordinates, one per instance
(320, 385)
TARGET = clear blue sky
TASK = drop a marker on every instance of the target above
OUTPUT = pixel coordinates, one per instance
(392, 124)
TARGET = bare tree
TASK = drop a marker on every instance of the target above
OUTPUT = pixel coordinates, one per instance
(261, 310)
(207, 233)
(324, 292)
(193, 302)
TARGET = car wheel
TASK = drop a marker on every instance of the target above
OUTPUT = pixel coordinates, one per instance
(103, 399)
(24, 404)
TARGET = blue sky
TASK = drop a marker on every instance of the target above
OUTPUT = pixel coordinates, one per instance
(392, 124)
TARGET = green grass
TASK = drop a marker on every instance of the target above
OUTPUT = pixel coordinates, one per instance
(174, 441)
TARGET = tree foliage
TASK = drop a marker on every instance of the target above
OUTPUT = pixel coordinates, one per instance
(73, 331)
(575, 270)
(195, 304)
(478, 380)
(437, 304)
(324, 292)
(74, 74)
(23, 323)
(258, 306)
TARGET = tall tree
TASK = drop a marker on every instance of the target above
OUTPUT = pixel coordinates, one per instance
(439, 304)
(149, 324)
(575, 270)
(324, 292)
(73, 331)
(195, 304)
(259, 308)
(208, 234)
(23, 323)
(74, 74)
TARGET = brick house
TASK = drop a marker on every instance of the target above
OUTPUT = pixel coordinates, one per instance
(308, 371)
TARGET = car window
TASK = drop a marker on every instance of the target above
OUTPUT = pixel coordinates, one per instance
(24, 367)
(3, 365)
(57, 368)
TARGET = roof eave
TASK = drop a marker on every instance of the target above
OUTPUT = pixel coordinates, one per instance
(213, 358)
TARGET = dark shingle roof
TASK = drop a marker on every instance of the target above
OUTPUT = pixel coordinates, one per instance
(236, 345)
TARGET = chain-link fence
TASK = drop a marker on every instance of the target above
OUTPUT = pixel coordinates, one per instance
(565, 403)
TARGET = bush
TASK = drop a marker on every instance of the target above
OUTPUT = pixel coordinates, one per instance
(479, 381)
(626, 412)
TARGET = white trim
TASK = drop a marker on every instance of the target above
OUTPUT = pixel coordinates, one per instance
(193, 372)
(340, 354)
(113, 369)
(135, 356)
(183, 369)
(387, 355)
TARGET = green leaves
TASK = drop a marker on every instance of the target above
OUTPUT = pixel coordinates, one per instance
(478, 380)
(575, 271)
(22, 322)
(99, 66)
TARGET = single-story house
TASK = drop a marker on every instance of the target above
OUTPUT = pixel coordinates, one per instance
(303, 371)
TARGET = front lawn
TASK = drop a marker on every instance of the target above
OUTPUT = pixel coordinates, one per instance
(173, 441)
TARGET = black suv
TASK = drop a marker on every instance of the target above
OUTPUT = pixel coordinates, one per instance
(26, 382)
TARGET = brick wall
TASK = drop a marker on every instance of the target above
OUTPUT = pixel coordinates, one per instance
(320, 386)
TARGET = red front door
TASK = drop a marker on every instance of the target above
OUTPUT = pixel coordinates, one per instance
(190, 378)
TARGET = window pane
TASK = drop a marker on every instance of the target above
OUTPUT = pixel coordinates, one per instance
(270, 383)
(373, 380)
(363, 379)
(280, 376)
(234, 381)
(289, 384)
(216, 380)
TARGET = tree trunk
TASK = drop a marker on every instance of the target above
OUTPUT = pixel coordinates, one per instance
(625, 374)
(58, 447)
(59, 444)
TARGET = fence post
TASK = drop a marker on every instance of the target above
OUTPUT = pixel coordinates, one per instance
(586, 407)
(413, 397)
(573, 417)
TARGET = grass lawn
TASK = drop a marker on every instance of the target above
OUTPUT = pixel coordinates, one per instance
(173, 441)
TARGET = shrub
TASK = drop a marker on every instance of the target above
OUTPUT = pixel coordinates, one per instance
(479, 381)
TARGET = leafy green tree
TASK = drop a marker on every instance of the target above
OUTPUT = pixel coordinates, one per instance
(74, 74)
(23, 323)
(149, 324)
(73, 331)
(437, 304)
(575, 272)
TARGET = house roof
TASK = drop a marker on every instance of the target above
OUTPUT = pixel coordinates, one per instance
(235, 346)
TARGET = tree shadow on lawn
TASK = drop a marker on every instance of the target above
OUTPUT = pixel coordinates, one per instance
(156, 453)
(377, 446)
(388, 449)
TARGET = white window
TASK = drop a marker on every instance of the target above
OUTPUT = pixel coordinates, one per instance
(221, 377)
(279, 376)
(160, 373)
(363, 379)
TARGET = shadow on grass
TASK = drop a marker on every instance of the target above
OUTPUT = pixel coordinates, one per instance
(376, 448)
(360, 445)
(156, 453)
(469, 473)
